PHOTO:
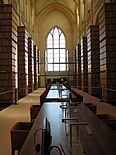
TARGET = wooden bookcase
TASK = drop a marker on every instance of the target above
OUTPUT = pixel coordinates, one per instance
(30, 65)
(39, 68)
(74, 68)
(84, 64)
(35, 67)
(107, 33)
(22, 61)
(93, 60)
(78, 66)
(8, 53)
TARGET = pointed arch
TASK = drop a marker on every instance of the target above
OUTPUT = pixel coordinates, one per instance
(57, 28)
(56, 53)
(55, 6)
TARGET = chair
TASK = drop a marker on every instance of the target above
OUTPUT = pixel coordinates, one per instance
(111, 125)
(19, 133)
(34, 110)
(106, 117)
(92, 107)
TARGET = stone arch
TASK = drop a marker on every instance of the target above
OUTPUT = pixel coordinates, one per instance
(58, 28)
(58, 7)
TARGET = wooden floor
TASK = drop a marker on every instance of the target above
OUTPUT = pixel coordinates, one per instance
(20, 112)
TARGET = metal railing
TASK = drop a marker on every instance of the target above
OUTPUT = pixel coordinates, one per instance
(6, 99)
(104, 94)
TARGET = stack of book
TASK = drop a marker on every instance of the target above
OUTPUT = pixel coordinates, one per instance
(93, 60)
(8, 53)
(78, 61)
(22, 61)
(35, 67)
(84, 65)
(30, 65)
(107, 33)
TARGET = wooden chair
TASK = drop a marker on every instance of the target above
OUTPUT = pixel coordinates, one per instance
(111, 125)
(34, 110)
(92, 107)
(19, 133)
(106, 117)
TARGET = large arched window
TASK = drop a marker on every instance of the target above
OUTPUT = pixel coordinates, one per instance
(56, 53)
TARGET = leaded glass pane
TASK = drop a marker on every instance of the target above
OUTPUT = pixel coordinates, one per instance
(50, 56)
(49, 41)
(56, 38)
(56, 55)
(62, 55)
(56, 67)
(62, 67)
(50, 67)
(62, 41)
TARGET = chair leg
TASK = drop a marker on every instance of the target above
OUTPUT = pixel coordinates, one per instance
(18, 152)
(13, 152)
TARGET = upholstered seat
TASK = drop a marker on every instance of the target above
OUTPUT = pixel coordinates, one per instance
(92, 107)
(34, 110)
(111, 125)
(19, 133)
(106, 117)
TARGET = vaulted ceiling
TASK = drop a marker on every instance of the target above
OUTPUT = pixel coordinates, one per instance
(60, 13)
(39, 5)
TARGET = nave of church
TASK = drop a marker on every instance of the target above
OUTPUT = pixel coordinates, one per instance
(43, 42)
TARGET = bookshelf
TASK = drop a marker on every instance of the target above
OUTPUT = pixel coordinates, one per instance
(107, 33)
(22, 61)
(8, 53)
(78, 66)
(35, 67)
(39, 68)
(30, 65)
(84, 64)
(74, 68)
(93, 60)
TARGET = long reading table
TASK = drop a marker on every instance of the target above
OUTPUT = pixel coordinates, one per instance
(102, 141)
